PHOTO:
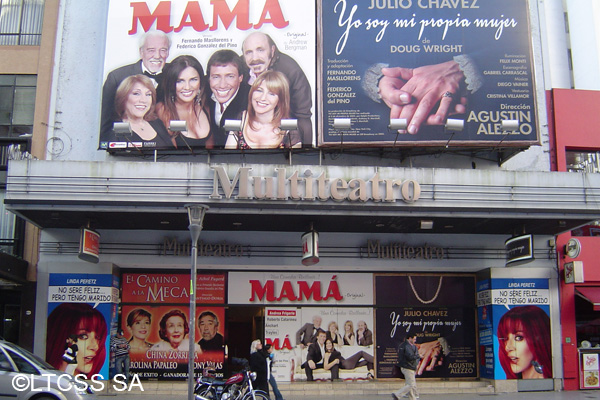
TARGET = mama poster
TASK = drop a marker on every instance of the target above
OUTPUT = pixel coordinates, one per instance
(198, 61)
(427, 61)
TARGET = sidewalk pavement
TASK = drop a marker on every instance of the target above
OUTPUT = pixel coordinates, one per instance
(570, 395)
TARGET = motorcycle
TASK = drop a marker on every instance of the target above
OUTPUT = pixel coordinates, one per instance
(237, 387)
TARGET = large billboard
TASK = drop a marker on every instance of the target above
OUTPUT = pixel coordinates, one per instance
(440, 311)
(202, 63)
(420, 63)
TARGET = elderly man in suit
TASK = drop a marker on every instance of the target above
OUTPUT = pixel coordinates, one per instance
(154, 51)
(308, 333)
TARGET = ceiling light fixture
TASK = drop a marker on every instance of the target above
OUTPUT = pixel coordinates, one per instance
(426, 224)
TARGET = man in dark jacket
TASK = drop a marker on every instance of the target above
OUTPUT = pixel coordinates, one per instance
(315, 356)
(408, 360)
(229, 99)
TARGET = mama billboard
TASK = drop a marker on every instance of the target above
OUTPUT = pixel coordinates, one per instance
(424, 62)
(176, 71)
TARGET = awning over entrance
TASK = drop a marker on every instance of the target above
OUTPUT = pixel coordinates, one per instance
(591, 294)
(151, 196)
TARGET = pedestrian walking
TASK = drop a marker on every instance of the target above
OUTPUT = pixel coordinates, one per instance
(270, 361)
(408, 360)
(70, 356)
(258, 364)
(120, 347)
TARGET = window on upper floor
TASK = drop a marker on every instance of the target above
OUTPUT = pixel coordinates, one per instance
(583, 161)
(21, 22)
(17, 104)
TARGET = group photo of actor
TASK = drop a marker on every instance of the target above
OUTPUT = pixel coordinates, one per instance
(258, 86)
(326, 352)
(153, 330)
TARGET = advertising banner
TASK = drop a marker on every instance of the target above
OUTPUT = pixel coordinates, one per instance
(80, 307)
(158, 336)
(198, 63)
(281, 325)
(155, 320)
(440, 310)
(346, 334)
(172, 288)
(423, 62)
(273, 288)
(514, 328)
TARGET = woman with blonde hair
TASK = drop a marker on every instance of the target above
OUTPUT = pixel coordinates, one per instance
(259, 364)
(349, 337)
(135, 102)
(138, 324)
(268, 104)
(333, 334)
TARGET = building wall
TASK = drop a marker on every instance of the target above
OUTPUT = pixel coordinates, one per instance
(339, 253)
(39, 61)
(575, 119)
(73, 113)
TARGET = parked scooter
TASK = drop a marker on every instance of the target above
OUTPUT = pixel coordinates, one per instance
(237, 387)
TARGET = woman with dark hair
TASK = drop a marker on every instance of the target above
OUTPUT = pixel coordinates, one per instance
(183, 97)
(173, 331)
(524, 343)
(268, 104)
(334, 357)
(138, 325)
(135, 102)
(89, 326)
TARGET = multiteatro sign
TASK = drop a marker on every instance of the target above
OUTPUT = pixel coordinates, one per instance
(309, 186)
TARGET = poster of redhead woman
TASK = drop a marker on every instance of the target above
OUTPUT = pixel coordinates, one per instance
(514, 329)
(79, 316)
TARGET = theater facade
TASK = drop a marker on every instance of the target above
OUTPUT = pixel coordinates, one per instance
(354, 217)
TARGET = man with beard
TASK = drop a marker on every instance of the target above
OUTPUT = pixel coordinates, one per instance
(154, 51)
(261, 54)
